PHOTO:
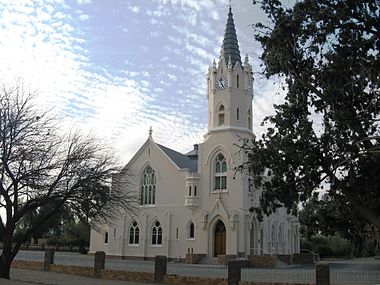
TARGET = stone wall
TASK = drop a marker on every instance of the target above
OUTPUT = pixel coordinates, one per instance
(272, 283)
(223, 259)
(193, 258)
(71, 269)
(263, 261)
(287, 258)
(24, 264)
(182, 280)
(303, 258)
(128, 276)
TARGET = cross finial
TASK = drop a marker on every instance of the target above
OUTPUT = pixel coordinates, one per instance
(150, 131)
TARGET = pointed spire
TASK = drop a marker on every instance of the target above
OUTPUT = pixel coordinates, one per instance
(230, 45)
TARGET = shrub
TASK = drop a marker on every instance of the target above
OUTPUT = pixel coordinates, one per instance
(328, 246)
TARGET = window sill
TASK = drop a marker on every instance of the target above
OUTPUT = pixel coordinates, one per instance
(147, 206)
(215, 191)
(133, 245)
(156, 245)
(190, 239)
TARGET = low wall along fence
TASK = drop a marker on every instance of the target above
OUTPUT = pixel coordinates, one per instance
(235, 273)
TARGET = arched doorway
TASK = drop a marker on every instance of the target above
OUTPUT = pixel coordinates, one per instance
(220, 239)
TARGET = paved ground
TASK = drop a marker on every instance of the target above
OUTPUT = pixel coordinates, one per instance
(23, 277)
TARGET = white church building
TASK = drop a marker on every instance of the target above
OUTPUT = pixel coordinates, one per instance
(195, 203)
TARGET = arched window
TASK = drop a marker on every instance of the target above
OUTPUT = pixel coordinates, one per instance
(157, 234)
(191, 230)
(249, 119)
(220, 173)
(237, 81)
(148, 187)
(189, 194)
(221, 115)
(106, 237)
(134, 233)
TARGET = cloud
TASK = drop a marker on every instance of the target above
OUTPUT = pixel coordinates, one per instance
(84, 17)
(81, 2)
(99, 77)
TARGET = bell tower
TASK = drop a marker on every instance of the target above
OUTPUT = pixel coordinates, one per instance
(229, 88)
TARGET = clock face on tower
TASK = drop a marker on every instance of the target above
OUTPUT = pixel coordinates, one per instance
(221, 83)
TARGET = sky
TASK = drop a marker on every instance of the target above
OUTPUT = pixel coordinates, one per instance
(115, 68)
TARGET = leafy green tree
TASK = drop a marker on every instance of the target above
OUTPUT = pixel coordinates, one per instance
(43, 171)
(332, 215)
(326, 132)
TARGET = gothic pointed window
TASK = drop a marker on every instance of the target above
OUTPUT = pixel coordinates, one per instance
(148, 187)
(157, 233)
(191, 230)
(221, 115)
(220, 173)
(134, 233)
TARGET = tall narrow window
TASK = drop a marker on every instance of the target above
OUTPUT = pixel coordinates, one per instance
(220, 173)
(134, 233)
(191, 230)
(249, 119)
(237, 81)
(148, 187)
(221, 115)
(157, 234)
(106, 237)
(189, 194)
(195, 191)
(237, 114)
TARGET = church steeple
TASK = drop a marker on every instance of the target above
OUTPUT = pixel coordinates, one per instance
(230, 46)
(230, 87)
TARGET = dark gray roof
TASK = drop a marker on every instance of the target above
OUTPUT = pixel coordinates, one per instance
(181, 160)
(230, 45)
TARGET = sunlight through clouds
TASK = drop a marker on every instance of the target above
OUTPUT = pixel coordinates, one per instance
(115, 70)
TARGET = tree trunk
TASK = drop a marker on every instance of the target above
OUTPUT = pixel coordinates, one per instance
(6, 259)
(5, 267)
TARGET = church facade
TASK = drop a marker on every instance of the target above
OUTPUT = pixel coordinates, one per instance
(195, 203)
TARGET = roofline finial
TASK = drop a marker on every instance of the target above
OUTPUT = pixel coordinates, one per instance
(150, 131)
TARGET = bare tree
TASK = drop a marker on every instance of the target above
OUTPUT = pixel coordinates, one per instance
(40, 166)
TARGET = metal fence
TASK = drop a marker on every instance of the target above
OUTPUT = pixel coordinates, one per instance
(300, 275)
(197, 270)
(289, 275)
(348, 276)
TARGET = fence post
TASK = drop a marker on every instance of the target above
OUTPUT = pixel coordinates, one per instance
(322, 274)
(160, 265)
(234, 271)
(48, 259)
(99, 263)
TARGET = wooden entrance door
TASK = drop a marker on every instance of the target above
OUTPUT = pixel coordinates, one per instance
(220, 239)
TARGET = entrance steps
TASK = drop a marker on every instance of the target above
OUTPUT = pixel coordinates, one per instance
(209, 260)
